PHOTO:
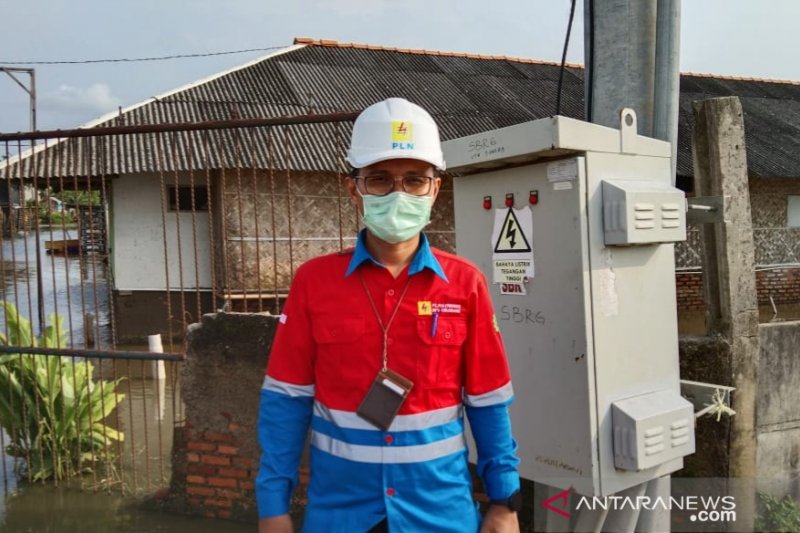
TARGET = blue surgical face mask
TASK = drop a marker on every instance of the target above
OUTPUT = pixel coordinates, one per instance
(396, 217)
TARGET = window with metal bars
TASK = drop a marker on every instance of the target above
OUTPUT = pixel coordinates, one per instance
(180, 198)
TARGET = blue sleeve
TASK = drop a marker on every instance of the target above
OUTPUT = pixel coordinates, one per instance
(497, 449)
(283, 422)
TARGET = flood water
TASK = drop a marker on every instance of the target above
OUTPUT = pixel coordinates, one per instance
(75, 287)
(146, 416)
(49, 509)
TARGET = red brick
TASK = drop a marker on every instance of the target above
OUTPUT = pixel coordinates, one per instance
(194, 501)
(244, 461)
(218, 437)
(230, 472)
(201, 470)
(246, 485)
(202, 446)
(200, 491)
(224, 513)
(214, 460)
(192, 457)
(216, 502)
(227, 450)
(229, 494)
(200, 480)
(223, 482)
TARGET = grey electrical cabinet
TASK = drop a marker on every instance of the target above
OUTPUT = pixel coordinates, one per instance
(573, 225)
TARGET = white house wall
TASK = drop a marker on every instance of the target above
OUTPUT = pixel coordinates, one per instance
(138, 238)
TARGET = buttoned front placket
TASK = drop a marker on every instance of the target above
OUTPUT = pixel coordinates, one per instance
(393, 290)
(391, 293)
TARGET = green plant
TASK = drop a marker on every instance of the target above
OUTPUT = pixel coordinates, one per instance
(51, 407)
(777, 514)
(80, 197)
(57, 218)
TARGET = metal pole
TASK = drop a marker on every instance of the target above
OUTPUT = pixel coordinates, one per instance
(30, 90)
(32, 98)
(32, 94)
(631, 57)
(667, 76)
(620, 48)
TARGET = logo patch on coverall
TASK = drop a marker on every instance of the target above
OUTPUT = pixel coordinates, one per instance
(447, 308)
(427, 308)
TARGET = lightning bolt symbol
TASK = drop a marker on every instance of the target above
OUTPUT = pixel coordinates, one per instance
(511, 233)
(401, 128)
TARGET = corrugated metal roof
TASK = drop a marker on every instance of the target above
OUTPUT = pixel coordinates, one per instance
(466, 94)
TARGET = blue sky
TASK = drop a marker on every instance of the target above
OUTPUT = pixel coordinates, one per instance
(730, 37)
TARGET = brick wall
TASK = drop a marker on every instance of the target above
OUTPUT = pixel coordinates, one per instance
(783, 284)
(215, 453)
(218, 478)
(689, 289)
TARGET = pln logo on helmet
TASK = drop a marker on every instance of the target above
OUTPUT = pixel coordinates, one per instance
(402, 135)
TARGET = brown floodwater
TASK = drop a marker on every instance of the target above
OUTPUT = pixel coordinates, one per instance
(146, 416)
(49, 509)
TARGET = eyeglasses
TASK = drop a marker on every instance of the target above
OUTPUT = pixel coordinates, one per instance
(381, 184)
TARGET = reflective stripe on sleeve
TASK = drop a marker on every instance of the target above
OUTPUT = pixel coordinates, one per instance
(501, 395)
(289, 389)
(428, 419)
(388, 454)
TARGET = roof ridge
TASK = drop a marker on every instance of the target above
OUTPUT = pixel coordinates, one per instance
(336, 44)
(739, 78)
(186, 86)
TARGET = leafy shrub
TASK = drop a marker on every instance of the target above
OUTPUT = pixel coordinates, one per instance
(777, 514)
(51, 406)
(57, 218)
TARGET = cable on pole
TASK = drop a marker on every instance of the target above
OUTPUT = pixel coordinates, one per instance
(564, 57)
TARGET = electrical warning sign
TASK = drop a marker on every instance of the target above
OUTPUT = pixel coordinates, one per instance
(512, 249)
(511, 238)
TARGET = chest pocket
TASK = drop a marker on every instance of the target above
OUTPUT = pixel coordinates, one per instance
(440, 365)
(338, 339)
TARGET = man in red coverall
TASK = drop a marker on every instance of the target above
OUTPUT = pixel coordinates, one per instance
(380, 351)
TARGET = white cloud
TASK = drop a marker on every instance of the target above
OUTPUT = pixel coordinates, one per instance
(96, 98)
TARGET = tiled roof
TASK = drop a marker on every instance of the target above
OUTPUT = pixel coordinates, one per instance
(466, 93)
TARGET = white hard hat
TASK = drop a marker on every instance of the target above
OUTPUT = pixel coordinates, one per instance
(395, 129)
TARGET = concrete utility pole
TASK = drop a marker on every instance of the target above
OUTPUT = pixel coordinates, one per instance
(720, 169)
